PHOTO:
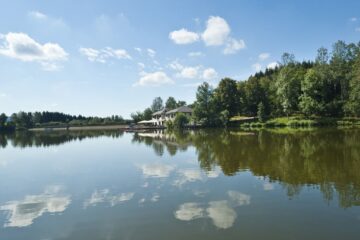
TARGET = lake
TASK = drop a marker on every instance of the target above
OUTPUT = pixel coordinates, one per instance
(205, 184)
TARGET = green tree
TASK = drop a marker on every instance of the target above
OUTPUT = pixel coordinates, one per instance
(157, 104)
(261, 112)
(180, 121)
(137, 117)
(147, 114)
(3, 119)
(353, 105)
(227, 97)
(288, 88)
(204, 107)
(180, 104)
(170, 103)
(311, 100)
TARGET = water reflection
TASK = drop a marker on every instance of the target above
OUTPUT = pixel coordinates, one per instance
(327, 159)
(22, 213)
(222, 212)
(104, 196)
(23, 139)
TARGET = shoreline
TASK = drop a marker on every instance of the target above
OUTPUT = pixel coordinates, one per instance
(109, 127)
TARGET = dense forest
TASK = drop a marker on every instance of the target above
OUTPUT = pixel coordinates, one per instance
(25, 120)
(329, 86)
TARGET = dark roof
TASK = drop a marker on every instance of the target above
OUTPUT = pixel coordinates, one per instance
(183, 109)
(162, 111)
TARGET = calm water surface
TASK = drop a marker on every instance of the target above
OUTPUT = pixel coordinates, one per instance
(191, 185)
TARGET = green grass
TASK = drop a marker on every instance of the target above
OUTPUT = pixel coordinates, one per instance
(302, 122)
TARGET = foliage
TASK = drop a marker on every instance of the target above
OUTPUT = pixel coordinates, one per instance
(180, 121)
(261, 112)
(157, 104)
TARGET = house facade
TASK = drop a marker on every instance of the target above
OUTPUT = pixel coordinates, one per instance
(159, 118)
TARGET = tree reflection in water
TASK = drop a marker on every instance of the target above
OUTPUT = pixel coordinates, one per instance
(328, 159)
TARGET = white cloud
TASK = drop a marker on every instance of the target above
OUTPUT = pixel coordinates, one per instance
(233, 46)
(257, 67)
(183, 36)
(156, 170)
(238, 198)
(102, 55)
(189, 72)
(357, 29)
(189, 211)
(151, 52)
(104, 196)
(353, 19)
(21, 46)
(155, 198)
(268, 186)
(272, 65)
(222, 215)
(3, 95)
(23, 213)
(216, 32)
(139, 50)
(175, 65)
(37, 15)
(209, 73)
(264, 56)
(195, 54)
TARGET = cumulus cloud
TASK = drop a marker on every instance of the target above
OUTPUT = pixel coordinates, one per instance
(222, 212)
(233, 46)
(189, 211)
(272, 65)
(175, 65)
(156, 170)
(37, 15)
(104, 196)
(151, 52)
(353, 19)
(238, 198)
(264, 56)
(189, 72)
(102, 55)
(216, 32)
(209, 73)
(268, 186)
(22, 213)
(139, 50)
(22, 47)
(183, 36)
(222, 215)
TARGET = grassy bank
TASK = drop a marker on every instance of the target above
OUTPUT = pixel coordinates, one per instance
(298, 121)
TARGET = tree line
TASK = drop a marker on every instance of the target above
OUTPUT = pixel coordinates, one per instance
(25, 120)
(329, 86)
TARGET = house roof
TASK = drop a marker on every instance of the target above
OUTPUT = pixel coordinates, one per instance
(146, 121)
(183, 109)
(162, 111)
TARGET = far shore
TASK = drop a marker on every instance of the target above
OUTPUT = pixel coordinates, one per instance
(79, 128)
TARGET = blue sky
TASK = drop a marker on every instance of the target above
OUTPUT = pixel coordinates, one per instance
(113, 57)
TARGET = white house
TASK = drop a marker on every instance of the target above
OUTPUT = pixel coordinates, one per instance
(160, 117)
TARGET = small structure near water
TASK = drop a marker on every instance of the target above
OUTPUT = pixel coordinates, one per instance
(159, 118)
